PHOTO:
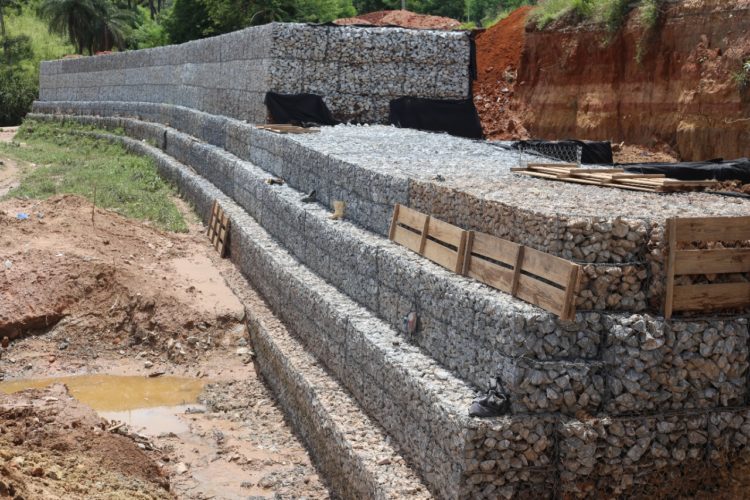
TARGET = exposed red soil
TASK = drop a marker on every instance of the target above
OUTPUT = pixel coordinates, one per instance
(94, 270)
(403, 18)
(133, 300)
(52, 446)
(672, 83)
(498, 58)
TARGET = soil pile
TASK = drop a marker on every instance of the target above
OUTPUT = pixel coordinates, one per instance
(402, 18)
(498, 58)
(95, 275)
(52, 446)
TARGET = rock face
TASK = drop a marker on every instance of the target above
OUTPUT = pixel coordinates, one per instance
(357, 71)
(671, 84)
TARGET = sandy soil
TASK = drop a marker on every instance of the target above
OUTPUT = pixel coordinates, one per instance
(84, 290)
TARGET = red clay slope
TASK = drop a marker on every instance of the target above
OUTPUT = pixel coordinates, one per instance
(677, 89)
(498, 58)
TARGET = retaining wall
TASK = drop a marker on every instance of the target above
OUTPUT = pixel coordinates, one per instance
(600, 362)
(542, 456)
(358, 71)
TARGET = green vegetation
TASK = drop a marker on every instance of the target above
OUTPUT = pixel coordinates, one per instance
(91, 25)
(742, 76)
(610, 12)
(25, 42)
(75, 164)
(486, 13)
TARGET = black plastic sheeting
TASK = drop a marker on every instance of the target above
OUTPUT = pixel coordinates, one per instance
(719, 170)
(456, 117)
(298, 109)
(592, 152)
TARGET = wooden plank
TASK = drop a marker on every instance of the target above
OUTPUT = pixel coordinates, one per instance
(409, 239)
(713, 229)
(467, 252)
(440, 254)
(672, 249)
(495, 248)
(394, 221)
(461, 252)
(442, 231)
(517, 270)
(491, 274)
(716, 261)
(640, 176)
(679, 183)
(584, 181)
(411, 218)
(556, 165)
(711, 296)
(571, 291)
(547, 266)
(541, 294)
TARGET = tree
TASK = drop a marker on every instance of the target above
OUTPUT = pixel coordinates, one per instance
(90, 25)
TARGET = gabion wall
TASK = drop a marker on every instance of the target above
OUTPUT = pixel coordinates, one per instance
(358, 71)
(648, 409)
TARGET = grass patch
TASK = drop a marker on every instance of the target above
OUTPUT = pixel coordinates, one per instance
(74, 164)
(611, 13)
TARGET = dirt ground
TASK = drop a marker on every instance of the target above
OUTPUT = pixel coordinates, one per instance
(86, 291)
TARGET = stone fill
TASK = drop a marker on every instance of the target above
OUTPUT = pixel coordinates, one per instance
(613, 402)
(358, 71)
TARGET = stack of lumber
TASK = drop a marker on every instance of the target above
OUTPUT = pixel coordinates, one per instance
(611, 177)
(288, 129)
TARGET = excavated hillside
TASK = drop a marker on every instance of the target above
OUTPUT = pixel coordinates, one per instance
(673, 84)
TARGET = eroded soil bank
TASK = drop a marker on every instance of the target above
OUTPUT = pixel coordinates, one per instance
(86, 291)
(672, 85)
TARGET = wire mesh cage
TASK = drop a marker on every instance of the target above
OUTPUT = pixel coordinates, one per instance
(552, 152)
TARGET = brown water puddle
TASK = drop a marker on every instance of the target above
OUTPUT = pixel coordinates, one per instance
(148, 405)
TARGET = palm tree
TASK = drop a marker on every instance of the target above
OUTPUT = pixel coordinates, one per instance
(92, 25)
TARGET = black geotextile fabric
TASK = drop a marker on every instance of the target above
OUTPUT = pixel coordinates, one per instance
(592, 152)
(719, 170)
(456, 117)
(298, 109)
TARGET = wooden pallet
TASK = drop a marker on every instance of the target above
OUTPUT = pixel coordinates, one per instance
(528, 274)
(611, 177)
(288, 129)
(218, 229)
(535, 277)
(434, 239)
(710, 296)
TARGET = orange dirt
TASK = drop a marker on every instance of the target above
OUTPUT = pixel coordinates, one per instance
(673, 83)
(133, 300)
(53, 447)
(403, 18)
(498, 58)
(91, 269)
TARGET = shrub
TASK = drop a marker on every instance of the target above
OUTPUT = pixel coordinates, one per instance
(18, 89)
(742, 76)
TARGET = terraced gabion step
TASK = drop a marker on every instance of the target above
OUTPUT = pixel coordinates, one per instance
(420, 405)
(354, 452)
(600, 363)
(617, 235)
(545, 456)
(340, 165)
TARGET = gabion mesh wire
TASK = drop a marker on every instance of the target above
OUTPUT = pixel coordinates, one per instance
(550, 152)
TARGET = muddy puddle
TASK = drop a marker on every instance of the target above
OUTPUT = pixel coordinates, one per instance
(150, 406)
